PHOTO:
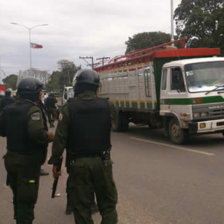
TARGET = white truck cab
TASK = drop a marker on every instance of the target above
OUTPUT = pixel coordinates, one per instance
(192, 93)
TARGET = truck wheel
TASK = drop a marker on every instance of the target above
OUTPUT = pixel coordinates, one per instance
(120, 123)
(176, 133)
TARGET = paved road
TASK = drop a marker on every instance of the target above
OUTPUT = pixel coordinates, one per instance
(158, 182)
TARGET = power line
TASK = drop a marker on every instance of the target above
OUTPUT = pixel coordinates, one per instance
(103, 59)
(88, 57)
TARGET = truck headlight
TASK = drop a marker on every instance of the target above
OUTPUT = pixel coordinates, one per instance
(204, 114)
(196, 115)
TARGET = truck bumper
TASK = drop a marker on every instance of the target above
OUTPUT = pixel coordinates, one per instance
(207, 126)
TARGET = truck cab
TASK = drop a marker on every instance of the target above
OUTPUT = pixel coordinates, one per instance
(192, 97)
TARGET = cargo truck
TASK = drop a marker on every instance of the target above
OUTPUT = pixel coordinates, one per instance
(178, 89)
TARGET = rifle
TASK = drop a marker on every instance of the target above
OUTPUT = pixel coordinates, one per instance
(55, 183)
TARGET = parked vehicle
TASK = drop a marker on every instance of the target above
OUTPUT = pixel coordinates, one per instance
(179, 90)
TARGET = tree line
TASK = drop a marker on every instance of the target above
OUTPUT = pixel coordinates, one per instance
(201, 21)
(52, 82)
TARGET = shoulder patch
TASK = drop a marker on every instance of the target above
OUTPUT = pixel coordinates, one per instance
(60, 116)
(35, 116)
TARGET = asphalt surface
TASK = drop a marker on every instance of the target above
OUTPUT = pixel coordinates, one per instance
(157, 182)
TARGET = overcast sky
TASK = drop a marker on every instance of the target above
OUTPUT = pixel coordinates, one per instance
(75, 28)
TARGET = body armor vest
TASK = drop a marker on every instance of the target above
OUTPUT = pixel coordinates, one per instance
(16, 122)
(89, 128)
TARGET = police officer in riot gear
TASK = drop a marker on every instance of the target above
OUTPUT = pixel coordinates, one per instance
(6, 100)
(22, 123)
(50, 104)
(84, 130)
(44, 113)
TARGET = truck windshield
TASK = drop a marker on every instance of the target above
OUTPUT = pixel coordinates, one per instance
(205, 76)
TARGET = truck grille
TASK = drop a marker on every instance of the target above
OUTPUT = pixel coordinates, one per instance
(215, 111)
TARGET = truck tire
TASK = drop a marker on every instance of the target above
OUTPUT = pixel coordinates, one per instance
(120, 123)
(176, 133)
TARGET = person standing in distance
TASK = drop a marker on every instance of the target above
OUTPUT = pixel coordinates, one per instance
(50, 104)
(6, 100)
(84, 130)
(22, 124)
(43, 109)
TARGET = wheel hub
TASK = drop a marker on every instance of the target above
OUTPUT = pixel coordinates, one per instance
(176, 130)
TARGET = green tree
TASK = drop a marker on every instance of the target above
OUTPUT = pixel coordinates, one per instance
(10, 81)
(68, 69)
(53, 83)
(145, 40)
(63, 77)
(202, 20)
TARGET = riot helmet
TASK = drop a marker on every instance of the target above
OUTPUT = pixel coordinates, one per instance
(85, 80)
(29, 88)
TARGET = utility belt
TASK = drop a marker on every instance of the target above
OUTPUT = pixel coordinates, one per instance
(37, 155)
(20, 153)
(20, 159)
(104, 155)
(73, 156)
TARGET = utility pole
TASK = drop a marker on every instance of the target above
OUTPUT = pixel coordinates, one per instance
(88, 57)
(103, 59)
(29, 29)
(69, 77)
(172, 25)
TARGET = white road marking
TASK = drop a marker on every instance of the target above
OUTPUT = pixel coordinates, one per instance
(173, 146)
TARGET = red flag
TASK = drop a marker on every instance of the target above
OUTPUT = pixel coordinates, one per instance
(34, 45)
